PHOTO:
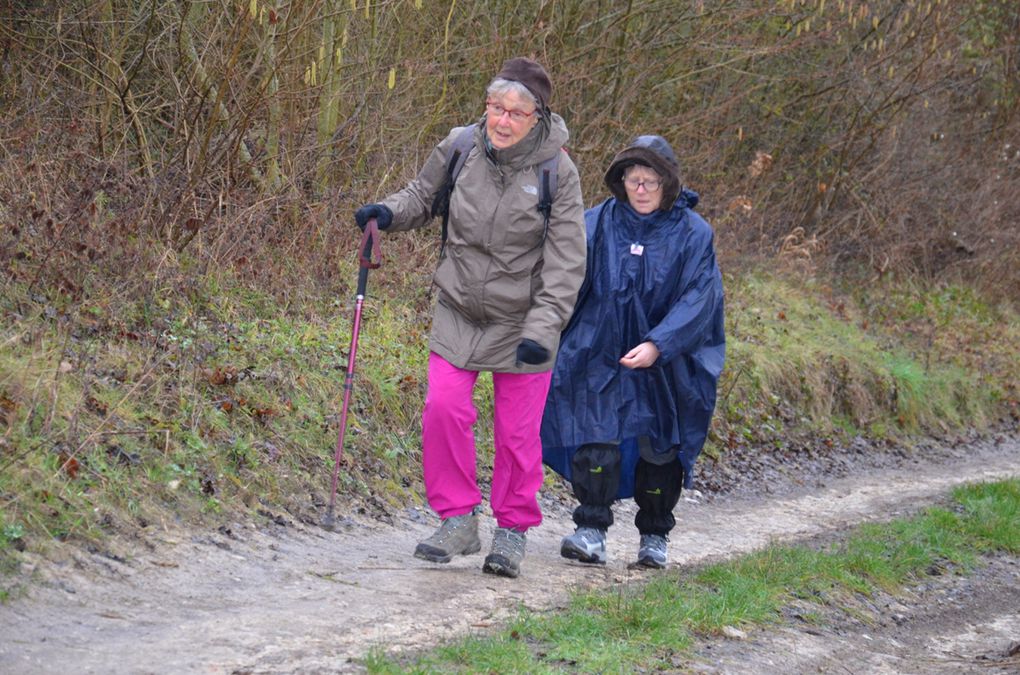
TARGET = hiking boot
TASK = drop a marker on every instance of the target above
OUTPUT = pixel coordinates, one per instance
(507, 553)
(586, 544)
(652, 552)
(456, 536)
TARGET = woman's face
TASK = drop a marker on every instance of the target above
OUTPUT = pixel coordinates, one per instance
(509, 118)
(644, 188)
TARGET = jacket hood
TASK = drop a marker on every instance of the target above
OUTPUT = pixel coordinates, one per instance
(653, 152)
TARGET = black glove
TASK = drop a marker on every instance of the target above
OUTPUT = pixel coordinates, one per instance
(531, 352)
(382, 214)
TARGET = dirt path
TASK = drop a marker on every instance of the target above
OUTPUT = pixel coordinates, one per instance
(296, 598)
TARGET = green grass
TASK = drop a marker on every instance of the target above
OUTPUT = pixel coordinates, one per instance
(11, 541)
(212, 399)
(880, 362)
(647, 625)
(205, 408)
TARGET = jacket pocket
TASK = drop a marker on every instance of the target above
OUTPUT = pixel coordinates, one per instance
(508, 295)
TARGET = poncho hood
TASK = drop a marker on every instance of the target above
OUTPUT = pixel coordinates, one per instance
(653, 152)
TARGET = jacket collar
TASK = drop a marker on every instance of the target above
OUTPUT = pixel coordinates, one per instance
(541, 143)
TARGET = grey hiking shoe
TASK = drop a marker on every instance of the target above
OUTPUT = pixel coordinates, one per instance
(507, 553)
(456, 536)
(586, 544)
(652, 552)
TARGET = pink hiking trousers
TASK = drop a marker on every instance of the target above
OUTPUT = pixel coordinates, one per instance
(448, 443)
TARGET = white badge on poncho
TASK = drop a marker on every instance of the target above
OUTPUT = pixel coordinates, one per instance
(637, 249)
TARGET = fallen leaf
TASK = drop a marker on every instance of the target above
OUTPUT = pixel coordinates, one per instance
(761, 163)
(741, 203)
(70, 466)
(96, 406)
(221, 376)
(7, 406)
(263, 413)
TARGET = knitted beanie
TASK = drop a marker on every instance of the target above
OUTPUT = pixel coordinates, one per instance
(531, 75)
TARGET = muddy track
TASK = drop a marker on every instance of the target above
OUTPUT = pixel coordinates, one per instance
(295, 598)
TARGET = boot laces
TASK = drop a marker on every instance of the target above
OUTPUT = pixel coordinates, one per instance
(450, 527)
(508, 542)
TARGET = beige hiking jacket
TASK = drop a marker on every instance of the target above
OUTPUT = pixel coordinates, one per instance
(498, 281)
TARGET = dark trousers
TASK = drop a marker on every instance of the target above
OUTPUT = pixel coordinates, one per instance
(596, 479)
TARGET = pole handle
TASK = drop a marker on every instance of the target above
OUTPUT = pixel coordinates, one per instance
(370, 256)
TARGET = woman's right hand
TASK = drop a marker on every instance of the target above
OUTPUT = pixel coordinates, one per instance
(642, 356)
(531, 352)
(382, 214)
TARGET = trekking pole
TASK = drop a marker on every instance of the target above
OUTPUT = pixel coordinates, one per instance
(370, 258)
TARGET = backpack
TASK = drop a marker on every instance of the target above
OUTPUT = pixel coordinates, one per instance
(462, 145)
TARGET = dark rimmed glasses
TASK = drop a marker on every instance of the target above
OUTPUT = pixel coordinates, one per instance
(649, 185)
(497, 110)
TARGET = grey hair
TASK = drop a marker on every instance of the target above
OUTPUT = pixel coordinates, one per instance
(502, 87)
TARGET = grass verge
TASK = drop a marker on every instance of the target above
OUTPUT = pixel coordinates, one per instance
(808, 362)
(651, 626)
(210, 400)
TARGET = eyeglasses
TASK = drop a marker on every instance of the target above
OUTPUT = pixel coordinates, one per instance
(649, 185)
(497, 110)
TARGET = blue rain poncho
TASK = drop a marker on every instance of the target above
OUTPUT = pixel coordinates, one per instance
(649, 277)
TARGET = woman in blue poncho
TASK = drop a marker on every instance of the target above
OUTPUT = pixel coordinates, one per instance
(634, 385)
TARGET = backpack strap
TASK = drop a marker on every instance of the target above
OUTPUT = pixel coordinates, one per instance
(548, 182)
(462, 145)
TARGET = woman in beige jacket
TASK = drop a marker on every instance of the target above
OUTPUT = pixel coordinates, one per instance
(507, 281)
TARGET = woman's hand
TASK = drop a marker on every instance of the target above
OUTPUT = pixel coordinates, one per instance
(531, 352)
(642, 356)
(382, 214)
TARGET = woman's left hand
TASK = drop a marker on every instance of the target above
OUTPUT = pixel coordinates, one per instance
(642, 356)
